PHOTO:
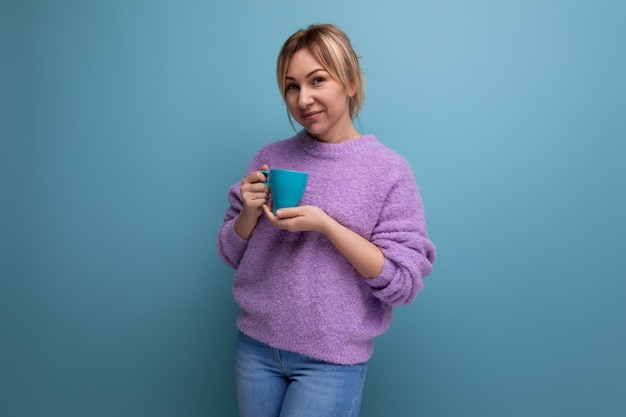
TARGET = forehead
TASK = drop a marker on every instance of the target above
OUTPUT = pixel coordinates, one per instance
(302, 62)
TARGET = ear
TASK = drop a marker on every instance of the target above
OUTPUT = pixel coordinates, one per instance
(351, 90)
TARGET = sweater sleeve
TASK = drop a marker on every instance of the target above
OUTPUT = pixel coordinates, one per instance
(401, 236)
(231, 246)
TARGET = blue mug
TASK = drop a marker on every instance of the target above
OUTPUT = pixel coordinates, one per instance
(286, 187)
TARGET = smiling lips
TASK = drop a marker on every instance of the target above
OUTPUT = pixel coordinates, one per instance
(310, 115)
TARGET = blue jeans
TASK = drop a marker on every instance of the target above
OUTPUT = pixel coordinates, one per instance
(278, 383)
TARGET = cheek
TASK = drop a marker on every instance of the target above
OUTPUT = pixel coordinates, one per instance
(292, 106)
(289, 101)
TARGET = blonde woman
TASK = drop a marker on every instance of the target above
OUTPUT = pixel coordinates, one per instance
(317, 283)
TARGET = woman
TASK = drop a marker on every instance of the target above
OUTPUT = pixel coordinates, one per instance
(317, 283)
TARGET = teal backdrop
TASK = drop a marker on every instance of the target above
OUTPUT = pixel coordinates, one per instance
(124, 123)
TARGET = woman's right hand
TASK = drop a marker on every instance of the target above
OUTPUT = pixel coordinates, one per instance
(254, 194)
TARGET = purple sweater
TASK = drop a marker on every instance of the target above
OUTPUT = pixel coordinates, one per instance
(295, 290)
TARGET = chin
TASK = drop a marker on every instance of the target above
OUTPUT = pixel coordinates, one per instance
(315, 134)
(314, 130)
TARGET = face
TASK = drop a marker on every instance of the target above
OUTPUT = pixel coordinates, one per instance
(318, 102)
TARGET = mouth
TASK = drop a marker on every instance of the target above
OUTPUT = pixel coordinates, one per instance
(310, 115)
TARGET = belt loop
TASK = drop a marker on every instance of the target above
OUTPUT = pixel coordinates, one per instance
(275, 355)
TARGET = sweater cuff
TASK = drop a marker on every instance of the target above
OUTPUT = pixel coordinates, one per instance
(236, 244)
(384, 278)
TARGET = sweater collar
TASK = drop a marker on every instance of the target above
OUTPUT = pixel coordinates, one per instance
(332, 150)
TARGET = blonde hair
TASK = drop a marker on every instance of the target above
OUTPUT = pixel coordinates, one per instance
(332, 48)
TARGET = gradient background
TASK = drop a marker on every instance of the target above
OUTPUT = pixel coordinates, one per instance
(124, 122)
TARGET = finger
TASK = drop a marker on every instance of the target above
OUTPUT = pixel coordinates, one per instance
(256, 195)
(257, 187)
(253, 178)
(286, 213)
(262, 177)
(268, 212)
(256, 201)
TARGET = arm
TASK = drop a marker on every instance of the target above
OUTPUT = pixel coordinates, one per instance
(362, 254)
(399, 253)
(241, 217)
(401, 235)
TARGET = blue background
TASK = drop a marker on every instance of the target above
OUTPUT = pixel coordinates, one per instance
(124, 122)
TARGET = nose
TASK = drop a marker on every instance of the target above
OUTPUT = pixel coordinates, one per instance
(305, 98)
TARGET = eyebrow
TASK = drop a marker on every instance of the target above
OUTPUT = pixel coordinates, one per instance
(308, 75)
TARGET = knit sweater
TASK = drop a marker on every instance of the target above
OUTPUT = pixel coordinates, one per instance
(295, 290)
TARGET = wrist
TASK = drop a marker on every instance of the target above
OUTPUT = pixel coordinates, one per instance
(328, 226)
(245, 224)
(249, 215)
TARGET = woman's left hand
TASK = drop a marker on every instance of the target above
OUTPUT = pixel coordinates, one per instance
(298, 219)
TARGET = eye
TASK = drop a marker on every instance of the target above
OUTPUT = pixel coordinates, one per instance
(318, 80)
(291, 87)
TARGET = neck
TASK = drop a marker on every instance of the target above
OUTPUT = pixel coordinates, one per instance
(344, 135)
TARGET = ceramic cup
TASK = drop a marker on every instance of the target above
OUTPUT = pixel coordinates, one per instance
(286, 187)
